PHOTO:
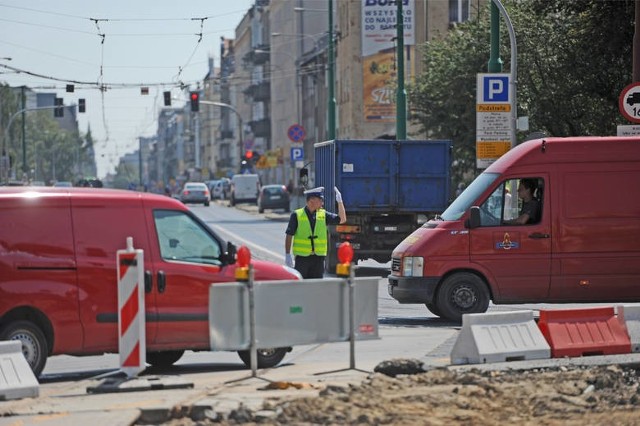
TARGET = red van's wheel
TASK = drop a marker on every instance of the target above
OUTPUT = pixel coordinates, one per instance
(34, 344)
(462, 293)
(267, 358)
(164, 359)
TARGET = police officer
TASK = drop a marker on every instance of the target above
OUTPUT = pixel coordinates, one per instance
(307, 229)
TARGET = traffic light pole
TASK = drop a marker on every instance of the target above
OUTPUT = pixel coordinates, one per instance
(240, 124)
(4, 174)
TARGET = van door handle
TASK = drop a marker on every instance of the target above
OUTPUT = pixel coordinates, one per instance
(148, 281)
(162, 281)
(539, 235)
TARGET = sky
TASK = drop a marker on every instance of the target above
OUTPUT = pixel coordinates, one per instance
(120, 45)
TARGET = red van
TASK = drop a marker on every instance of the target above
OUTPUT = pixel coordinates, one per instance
(583, 246)
(58, 285)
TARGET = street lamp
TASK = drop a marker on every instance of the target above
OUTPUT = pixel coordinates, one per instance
(331, 107)
(240, 123)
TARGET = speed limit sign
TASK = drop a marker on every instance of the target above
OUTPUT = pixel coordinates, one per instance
(629, 102)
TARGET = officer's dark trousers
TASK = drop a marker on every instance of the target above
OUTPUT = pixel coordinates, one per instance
(310, 266)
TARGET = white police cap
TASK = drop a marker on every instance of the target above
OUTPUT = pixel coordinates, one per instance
(315, 192)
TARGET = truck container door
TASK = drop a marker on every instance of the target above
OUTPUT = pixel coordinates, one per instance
(517, 258)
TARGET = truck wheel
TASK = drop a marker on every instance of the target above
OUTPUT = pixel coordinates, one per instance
(462, 293)
(267, 358)
(34, 344)
(164, 359)
(432, 307)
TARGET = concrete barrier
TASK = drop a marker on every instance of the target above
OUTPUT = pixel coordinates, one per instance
(499, 337)
(629, 316)
(16, 378)
(583, 332)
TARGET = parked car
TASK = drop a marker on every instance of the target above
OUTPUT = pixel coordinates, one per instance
(216, 188)
(273, 197)
(195, 192)
(58, 273)
(63, 184)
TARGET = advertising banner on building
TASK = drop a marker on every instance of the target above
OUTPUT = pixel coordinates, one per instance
(378, 55)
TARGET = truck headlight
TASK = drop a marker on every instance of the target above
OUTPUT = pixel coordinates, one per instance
(412, 266)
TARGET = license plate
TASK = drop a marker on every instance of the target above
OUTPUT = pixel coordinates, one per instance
(275, 197)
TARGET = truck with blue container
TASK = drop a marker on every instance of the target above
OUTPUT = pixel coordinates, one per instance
(388, 187)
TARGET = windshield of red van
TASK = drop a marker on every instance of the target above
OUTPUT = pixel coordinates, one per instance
(465, 200)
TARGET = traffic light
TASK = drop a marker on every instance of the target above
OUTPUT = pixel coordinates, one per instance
(82, 105)
(167, 98)
(195, 101)
(58, 111)
(248, 155)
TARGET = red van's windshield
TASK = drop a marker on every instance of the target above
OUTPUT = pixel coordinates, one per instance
(465, 200)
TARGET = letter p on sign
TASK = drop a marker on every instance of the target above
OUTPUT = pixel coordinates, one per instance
(496, 89)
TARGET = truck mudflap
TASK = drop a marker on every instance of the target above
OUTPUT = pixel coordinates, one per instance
(413, 289)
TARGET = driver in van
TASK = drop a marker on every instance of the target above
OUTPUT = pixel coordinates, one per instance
(530, 210)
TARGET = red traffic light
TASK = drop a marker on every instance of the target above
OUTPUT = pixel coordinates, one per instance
(248, 155)
(345, 253)
(195, 101)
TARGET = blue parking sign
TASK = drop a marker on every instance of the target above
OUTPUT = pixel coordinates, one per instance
(495, 88)
(297, 154)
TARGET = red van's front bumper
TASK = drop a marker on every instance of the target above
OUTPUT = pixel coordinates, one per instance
(412, 289)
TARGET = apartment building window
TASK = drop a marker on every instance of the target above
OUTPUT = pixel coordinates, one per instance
(458, 10)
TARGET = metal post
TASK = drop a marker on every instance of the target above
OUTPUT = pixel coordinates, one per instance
(252, 325)
(514, 70)
(495, 63)
(401, 95)
(24, 132)
(331, 121)
(352, 320)
(197, 141)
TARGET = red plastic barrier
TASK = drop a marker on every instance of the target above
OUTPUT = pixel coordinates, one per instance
(582, 332)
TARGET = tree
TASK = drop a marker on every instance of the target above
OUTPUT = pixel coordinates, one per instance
(574, 58)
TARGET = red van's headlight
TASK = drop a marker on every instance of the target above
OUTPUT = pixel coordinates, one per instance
(412, 266)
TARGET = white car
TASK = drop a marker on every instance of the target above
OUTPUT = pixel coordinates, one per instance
(216, 187)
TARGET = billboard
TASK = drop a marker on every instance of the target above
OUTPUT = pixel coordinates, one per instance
(378, 55)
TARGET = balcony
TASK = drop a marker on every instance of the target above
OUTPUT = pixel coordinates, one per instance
(261, 128)
(259, 55)
(259, 92)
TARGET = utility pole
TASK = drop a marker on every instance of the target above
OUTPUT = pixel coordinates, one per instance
(331, 120)
(495, 63)
(401, 94)
(636, 44)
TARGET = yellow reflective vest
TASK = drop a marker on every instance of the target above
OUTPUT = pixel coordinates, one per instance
(302, 239)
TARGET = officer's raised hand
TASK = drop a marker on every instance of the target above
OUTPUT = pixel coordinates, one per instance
(338, 194)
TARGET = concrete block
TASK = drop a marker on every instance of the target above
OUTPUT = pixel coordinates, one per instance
(629, 316)
(499, 337)
(16, 377)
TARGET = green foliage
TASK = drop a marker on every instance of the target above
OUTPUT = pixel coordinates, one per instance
(574, 58)
(51, 153)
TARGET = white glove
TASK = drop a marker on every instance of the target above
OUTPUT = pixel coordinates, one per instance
(338, 195)
(288, 260)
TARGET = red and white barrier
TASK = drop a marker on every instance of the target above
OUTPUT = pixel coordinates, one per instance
(131, 312)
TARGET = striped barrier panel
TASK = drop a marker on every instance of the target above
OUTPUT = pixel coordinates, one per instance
(131, 311)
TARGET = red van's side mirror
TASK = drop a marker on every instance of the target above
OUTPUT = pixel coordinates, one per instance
(230, 255)
(474, 218)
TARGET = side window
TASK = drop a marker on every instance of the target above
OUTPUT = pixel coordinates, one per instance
(181, 238)
(523, 201)
(501, 205)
